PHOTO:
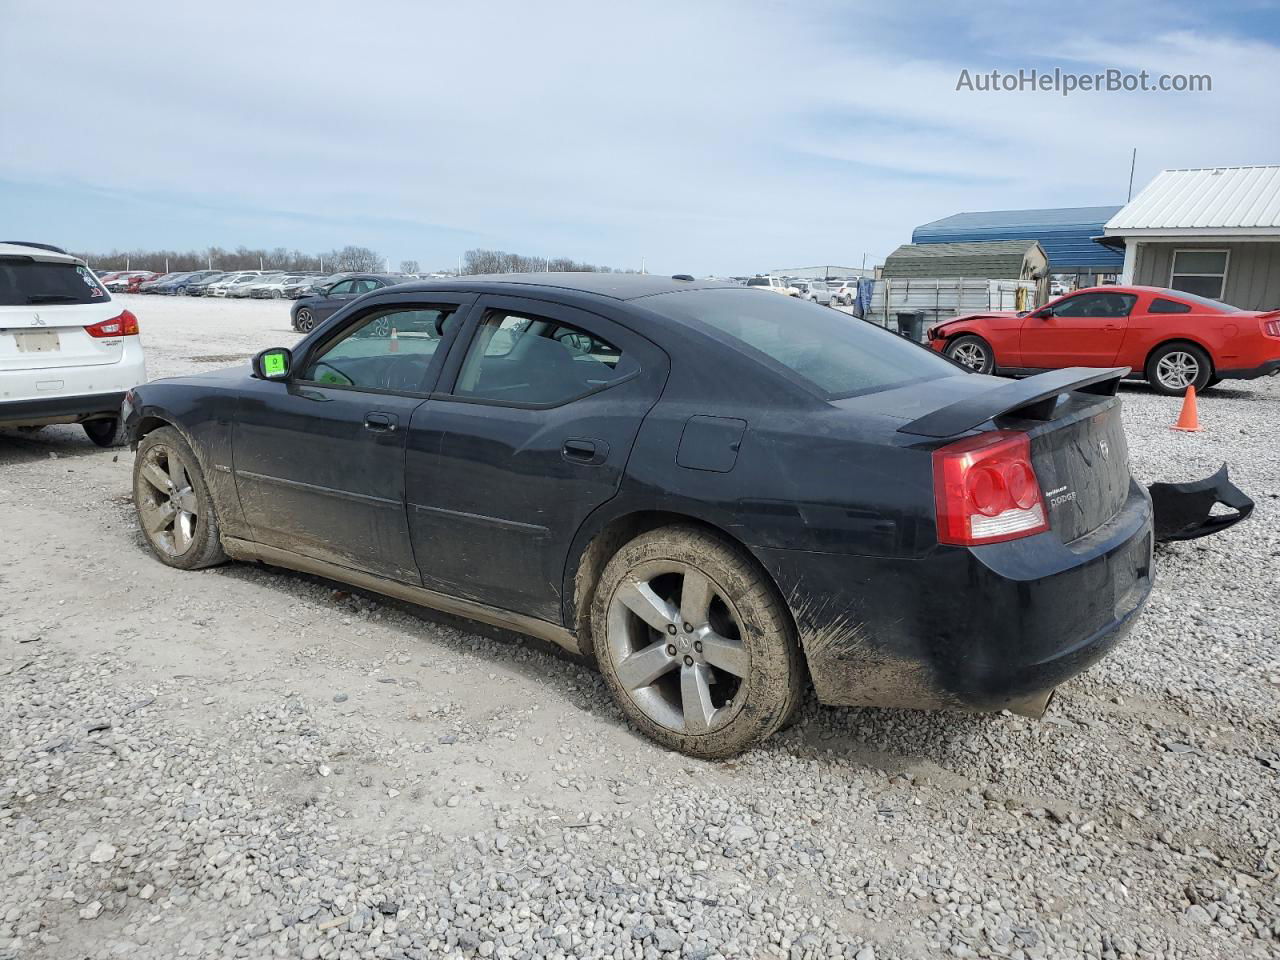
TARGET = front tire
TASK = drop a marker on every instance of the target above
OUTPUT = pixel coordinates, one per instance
(1174, 367)
(973, 352)
(104, 433)
(174, 507)
(305, 321)
(694, 643)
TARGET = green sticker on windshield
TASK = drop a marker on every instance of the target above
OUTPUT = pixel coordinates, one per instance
(273, 364)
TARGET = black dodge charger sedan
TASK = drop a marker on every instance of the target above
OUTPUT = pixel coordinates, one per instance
(715, 493)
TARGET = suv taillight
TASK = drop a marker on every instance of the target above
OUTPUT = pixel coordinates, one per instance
(986, 491)
(125, 325)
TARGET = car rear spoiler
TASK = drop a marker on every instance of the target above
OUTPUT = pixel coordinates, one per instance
(1033, 398)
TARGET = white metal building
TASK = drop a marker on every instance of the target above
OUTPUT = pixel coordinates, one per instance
(1212, 231)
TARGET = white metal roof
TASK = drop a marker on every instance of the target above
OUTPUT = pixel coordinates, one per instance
(1210, 200)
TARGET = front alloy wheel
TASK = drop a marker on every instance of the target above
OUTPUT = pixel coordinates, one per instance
(174, 507)
(972, 352)
(305, 321)
(694, 642)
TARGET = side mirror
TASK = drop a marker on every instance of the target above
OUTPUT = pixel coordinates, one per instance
(273, 364)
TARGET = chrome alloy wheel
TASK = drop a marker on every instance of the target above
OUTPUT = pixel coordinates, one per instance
(676, 645)
(970, 355)
(1178, 370)
(167, 502)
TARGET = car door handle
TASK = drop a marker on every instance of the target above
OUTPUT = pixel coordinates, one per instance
(381, 421)
(582, 450)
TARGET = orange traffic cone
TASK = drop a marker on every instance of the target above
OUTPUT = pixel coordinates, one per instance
(1189, 418)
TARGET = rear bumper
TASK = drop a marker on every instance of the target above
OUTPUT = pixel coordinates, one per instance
(985, 629)
(1268, 369)
(60, 409)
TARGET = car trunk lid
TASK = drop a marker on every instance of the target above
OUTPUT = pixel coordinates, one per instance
(1081, 459)
(36, 338)
(1072, 419)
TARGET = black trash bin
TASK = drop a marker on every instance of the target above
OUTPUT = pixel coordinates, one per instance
(911, 326)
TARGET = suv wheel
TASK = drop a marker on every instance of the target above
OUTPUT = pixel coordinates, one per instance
(173, 503)
(694, 643)
(105, 433)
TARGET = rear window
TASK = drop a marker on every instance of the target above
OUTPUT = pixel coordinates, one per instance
(25, 282)
(833, 353)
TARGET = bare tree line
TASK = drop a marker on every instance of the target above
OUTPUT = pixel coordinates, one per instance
(499, 261)
(349, 258)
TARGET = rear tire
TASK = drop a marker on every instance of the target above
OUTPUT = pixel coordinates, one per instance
(735, 675)
(175, 511)
(1173, 367)
(105, 433)
(973, 352)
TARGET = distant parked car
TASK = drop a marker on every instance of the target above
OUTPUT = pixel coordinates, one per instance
(844, 293)
(120, 282)
(179, 285)
(776, 284)
(138, 279)
(816, 291)
(149, 286)
(309, 311)
(1172, 339)
(272, 287)
(200, 288)
(239, 289)
(220, 286)
(301, 287)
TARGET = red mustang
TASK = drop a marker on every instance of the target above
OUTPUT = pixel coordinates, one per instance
(1172, 339)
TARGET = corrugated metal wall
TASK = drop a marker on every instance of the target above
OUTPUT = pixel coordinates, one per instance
(1070, 247)
(1253, 270)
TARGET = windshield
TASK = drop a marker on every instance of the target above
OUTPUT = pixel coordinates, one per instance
(834, 353)
(24, 282)
(758, 282)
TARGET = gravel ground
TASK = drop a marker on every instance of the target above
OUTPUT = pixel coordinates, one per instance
(250, 763)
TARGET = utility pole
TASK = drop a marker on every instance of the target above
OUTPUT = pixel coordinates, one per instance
(1132, 163)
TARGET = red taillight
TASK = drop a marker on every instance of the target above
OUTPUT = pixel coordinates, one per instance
(125, 325)
(1271, 328)
(986, 491)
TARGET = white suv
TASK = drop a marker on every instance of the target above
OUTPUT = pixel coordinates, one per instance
(67, 353)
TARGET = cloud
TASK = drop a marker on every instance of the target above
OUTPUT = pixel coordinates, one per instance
(705, 137)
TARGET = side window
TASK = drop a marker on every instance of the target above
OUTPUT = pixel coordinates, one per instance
(340, 288)
(388, 350)
(1161, 305)
(1096, 305)
(521, 358)
(362, 286)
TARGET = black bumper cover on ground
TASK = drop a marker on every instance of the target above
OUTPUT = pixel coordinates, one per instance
(1183, 510)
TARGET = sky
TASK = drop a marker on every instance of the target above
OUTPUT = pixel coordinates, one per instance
(687, 137)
